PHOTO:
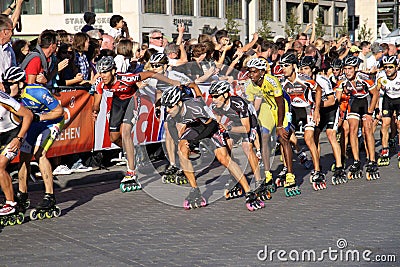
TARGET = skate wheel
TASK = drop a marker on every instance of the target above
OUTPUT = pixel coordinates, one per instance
(12, 220)
(57, 212)
(203, 202)
(49, 214)
(349, 175)
(20, 218)
(163, 179)
(33, 215)
(369, 177)
(311, 181)
(186, 205)
(227, 194)
(334, 181)
(315, 186)
(333, 167)
(41, 215)
(123, 188)
(249, 207)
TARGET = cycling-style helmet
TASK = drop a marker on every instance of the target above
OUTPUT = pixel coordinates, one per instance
(307, 61)
(105, 64)
(351, 61)
(14, 74)
(158, 58)
(257, 63)
(288, 58)
(389, 60)
(171, 96)
(219, 87)
(337, 63)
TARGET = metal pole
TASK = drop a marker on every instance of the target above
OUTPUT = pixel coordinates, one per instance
(247, 20)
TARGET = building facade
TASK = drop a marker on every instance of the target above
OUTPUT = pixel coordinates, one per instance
(198, 16)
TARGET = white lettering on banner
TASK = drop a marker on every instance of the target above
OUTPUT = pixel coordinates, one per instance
(68, 117)
(69, 134)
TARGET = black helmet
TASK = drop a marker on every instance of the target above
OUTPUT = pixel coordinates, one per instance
(337, 63)
(171, 96)
(15, 74)
(219, 87)
(351, 61)
(158, 58)
(288, 58)
(307, 61)
(388, 60)
(105, 64)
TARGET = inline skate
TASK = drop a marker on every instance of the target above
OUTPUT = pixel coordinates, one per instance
(333, 167)
(384, 159)
(372, 171)
(262, 191)
(130, 183)
(174, 175)
(22, 201)
(398, 159)
(318, 180)
(194, 199)
(339, 177)
(291, 189)
(302, 156)
(46, 209)
(269, 182)
(10, 214)
(355, 171)
(280, 179)
(232, 189)
(252, 201)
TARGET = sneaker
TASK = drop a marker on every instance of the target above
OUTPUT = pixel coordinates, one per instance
(79, 167)
(62, 170)
(7, 209)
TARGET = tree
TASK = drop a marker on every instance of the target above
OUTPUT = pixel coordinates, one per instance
(319, 28)
(365, 34)
(265, 30)
(292, 28)
(232, 26)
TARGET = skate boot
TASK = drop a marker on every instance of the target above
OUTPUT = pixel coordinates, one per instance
(22, 201)
(280, 179)
(130, 183)
(269, 182)
(384, 159)
(318, 180)
(10, 215)
(398, 159)
(261, 191)
(339, 177)
(252, 201)
(194, 199)
(169, 174)
(46, 209)
(372, 171)
(302, 156)
(232, 189)
(291, 189)
(355, 171)
(333, 167)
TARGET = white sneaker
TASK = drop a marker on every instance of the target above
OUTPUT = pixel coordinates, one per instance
(62, 170)
(81, 168)
(7, 209)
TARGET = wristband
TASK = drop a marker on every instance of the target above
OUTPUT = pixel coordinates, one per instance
(369, 113)
(229, 127)
(12, 8)
(20, 139)
(376, 111)
(36, 118)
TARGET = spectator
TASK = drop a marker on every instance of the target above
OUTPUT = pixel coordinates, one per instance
(156, 40)
(95, 34)
(81, 46)
(365, 50)
(125, 54)
(21, 49)
(108, 42)
(116, 23)
(90, 19)
(7, 55)
(373, 60)
(69, 75)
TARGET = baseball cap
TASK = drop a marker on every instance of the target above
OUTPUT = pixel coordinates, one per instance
(376, 49)
(354, 49)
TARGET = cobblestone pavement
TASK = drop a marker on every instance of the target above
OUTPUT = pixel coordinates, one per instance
(100, 226)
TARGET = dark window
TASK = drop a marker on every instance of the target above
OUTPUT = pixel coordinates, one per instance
(234, 8)
(79, 6)
(209, 8)
(155, 6)
(265, 10)
(32, 7)
(183, 7)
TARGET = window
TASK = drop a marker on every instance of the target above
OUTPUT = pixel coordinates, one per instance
(234, 8)
(209, 8)
(183, 7)
(155, 6)
(79, 6)
(307, 13)
(290, 9)
(339, 16)
(32, 7)
(265, 9)
(323, 14)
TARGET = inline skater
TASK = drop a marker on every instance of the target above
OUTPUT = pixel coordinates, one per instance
(329, 116)
(195, 122)
(358, 87)
(305, 97)
(48, 121)
(389, 83)
(124, 110)
(276, 104)
(242, 125)
(12, 134)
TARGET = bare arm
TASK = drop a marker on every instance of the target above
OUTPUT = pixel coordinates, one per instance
(53, 114)
(248, 46)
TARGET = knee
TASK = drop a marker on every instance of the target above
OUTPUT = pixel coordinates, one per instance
(183, 147)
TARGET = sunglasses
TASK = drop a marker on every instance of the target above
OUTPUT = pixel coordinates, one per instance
(215, 96)
(285, 65)
(156, 65)
(336, 69)
(388, 67)
(157, 38)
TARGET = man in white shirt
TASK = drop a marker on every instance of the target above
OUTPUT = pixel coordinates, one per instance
(156, 40)
(364, 54)
(373, 60)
